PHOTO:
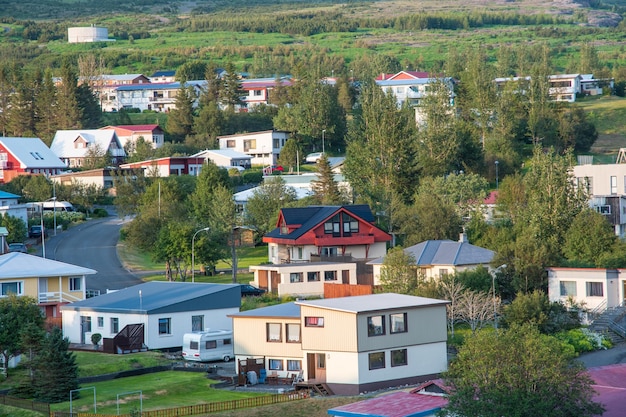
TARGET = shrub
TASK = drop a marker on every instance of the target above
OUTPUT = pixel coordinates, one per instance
(584, 340)
(100, 212)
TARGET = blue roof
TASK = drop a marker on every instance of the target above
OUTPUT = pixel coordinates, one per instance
(163, 297)
(4, 194)
(311, 216)
(285, 310)
(166, 73)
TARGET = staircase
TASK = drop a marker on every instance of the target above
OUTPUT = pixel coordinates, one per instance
(322, 389)
(609, 324)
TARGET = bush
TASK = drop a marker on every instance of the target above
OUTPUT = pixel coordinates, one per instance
(252, 177)
(584, 340)
(99, 213)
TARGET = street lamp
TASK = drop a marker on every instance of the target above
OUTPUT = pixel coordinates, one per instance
(493, 289)
(497, 163)
(323, 131)
(193, 253)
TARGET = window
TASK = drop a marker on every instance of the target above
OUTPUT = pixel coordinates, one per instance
(249, 144)
(273, 332)
(165, 326)
(100, 321)
(197, 323)
(376, 325)
(193, 344)
(75, 283)
(567, 288)
(211, 344)
(86, 322)
(377, 360)
(397, 323)
(398, 357)
(312, 276)
(321, 360)
(594, 289)
(228, 342)
(115, 325)
(295, 277)
(443, 272)
(276, 364)
(314, 322)
(16, 288)
(258, 92)
(350, 224)
(293, 365)
(613, 184)
(230, 143)
(604, 209)
(299, 252)
(293, 332)
(276, 143)
(333, 226)
(330, 275)
(330, 251)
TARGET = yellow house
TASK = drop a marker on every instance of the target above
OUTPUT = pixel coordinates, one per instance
(51, 283)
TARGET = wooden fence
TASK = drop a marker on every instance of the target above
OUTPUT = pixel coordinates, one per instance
(345, 290)
(39, 407)
(192, 410)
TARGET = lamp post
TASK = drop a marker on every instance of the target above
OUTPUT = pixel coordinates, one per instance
(493, 289)
(193, 253)
(323, 131)
(497, 163)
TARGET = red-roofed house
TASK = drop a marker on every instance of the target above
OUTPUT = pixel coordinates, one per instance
(170, 165)
(128, 134)
(257, 91)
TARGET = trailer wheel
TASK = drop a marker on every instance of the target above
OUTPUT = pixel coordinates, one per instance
(226, 358)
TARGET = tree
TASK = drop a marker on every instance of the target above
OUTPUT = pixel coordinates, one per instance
(231, 91)
(521, 371)
(575, 131)
(398, 273)
(16, 313)
(96, 157)
(46, 122)
(477, 308)
(56, 371)
(290, 154)
(325, 188)
(588, 238)
(180, 119)
(16, 227)
(68, 110)
(190, 71)
(265, 203)
(450, 289)
(535, 308)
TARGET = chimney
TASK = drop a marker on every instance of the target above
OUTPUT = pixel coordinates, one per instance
(463, 237)
(382, 76)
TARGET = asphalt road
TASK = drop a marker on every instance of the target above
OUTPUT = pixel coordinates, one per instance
(92, 245)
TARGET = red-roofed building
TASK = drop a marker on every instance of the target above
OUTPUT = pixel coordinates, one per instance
(27, 156)
(170, 165)
(258, 90)
(128, 135)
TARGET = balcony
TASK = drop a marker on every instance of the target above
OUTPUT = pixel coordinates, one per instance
(352, 239)
(57, 297)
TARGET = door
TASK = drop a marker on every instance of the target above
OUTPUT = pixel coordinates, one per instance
(85, 327)
(316, 366)
(43, 289)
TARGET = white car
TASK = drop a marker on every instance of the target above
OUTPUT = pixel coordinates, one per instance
(312, 158)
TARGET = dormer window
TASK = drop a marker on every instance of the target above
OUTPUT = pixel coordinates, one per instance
(284, 230)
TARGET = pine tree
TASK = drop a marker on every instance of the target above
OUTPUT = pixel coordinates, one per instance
(68, 110)
(55, 369)
(325, 188)
(180, 119)
(46, 122)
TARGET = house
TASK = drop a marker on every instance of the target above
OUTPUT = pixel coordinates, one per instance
(595, 288)
(225, 158)
(52, 283)
(436, 258)
(75, 146)
(128, 135)
(263, 147)
(163, 76)
(305, 234)
(26, 156)
(159, 312)
(426, 400)
(606, 186)
(9, 206)
(106, 86)
(562, 87)
(412, 87)
(257, 91)
(100, 177)
(160, 97)
(166, 166)
(350, 345)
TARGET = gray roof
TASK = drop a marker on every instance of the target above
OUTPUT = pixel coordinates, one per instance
(159, 297)
(446, 252)
(21, 265)
(32, 153)
(285, 310)
(372, 302)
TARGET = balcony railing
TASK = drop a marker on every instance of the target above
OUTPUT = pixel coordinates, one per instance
(57, 297)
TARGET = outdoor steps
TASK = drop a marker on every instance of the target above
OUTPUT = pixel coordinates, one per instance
(322, 389)
(602, 324)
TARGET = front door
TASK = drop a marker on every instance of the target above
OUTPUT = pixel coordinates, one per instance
(85, 327)
(316, 367)
(43, 289)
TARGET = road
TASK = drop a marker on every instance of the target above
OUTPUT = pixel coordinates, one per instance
(92, 245)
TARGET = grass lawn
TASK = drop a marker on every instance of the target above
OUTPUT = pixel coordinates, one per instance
(92, 363)
(168, 389)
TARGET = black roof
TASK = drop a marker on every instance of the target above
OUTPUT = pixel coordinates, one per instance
(311, 216)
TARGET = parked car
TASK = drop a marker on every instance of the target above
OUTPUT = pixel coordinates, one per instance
(18, 247)
(247, 290)
(312, 158)
(35, 231)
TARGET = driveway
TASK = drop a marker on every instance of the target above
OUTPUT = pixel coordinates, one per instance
(613, 356)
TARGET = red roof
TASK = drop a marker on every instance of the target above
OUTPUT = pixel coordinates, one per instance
(397, 404)
(403, 75)
(135, 128)
(491, 198)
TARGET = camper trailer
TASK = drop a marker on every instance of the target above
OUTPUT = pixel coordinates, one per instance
(57, 206)
(215, 345)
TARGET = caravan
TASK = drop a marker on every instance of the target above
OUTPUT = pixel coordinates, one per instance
(57, 206)
(209, 345)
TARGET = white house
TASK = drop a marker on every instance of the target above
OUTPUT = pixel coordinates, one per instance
(27, 156)
(159, 312)
(435, 258)
(225, 158)
(606, 186)
(595, 288)
(350, 345)
(129, 134)
(263, 147)
(9, 206)
(74, 146)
